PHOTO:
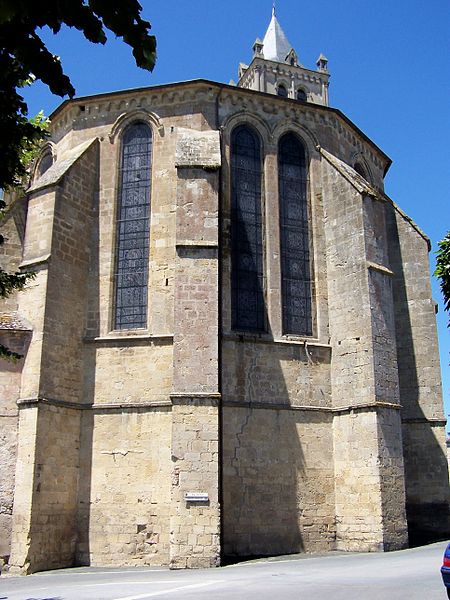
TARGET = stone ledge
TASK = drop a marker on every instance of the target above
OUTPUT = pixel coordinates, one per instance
(197, 244)
(379, 268)
(132, 406)
(31, 402)
(326, 409)
(266, 339)
(199, 398)
(433, 420)
(163, 338)
(34, 262)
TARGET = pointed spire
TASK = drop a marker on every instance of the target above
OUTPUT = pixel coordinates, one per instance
(276, 44)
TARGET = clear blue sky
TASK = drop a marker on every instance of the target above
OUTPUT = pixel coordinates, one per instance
(389, 69)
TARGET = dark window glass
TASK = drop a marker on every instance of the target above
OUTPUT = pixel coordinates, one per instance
(282, 91)
(45, 164)
(360, 170)
(133, 228)
(294, 237)
(246, 231)
(301, 95)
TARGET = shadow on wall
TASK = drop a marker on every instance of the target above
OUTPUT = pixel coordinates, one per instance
(83, 550)
(278, 475)
(277, 469)
(426, 467)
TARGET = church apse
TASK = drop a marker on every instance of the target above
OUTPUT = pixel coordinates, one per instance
(235, 364)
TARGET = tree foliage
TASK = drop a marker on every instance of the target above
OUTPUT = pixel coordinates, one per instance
(24, 54)
(442, 271)
(24, 58)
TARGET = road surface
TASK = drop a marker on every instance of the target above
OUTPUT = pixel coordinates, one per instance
(409, 574)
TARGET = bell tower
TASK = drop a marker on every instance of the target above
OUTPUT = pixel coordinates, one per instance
(275, 69)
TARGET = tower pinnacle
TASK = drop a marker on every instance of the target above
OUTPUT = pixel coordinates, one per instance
(276, 44)
(275, 69)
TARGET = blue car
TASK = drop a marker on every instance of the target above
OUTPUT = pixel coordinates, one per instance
(445, 570)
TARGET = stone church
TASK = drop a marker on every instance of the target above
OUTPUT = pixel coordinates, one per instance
(229, 347)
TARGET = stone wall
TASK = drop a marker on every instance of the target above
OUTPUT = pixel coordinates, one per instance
(15, 335)
(10, 373)
(45, 528)
(57, 247)
(364, 391)
(195, 525)
(124, 491)
(157, 446)
(278, 481)
(427, 490)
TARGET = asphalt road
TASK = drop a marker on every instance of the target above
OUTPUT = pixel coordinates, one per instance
(409, 574)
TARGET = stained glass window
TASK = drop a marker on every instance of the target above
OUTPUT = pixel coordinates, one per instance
(294, 237)
(246, 231)
(133, 228)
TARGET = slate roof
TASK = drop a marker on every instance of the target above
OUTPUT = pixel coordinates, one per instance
(276, 45)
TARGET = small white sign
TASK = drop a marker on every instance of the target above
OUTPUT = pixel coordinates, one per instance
(196, 496)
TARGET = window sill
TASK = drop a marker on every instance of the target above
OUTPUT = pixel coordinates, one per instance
(265, 338)
(130, 338)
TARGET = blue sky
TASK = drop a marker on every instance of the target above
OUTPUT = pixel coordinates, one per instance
(389, 74)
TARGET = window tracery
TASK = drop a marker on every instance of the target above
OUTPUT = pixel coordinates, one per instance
(133, 228)
(246, 231)
(294, 237)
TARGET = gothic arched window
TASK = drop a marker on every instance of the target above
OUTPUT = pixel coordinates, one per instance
(294, 237)
(247, 272)
(133, 228)
(45, 163)
(360, 170)
(282, 91)
(301, 95)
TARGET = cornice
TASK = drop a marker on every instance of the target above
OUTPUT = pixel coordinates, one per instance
(99, 107)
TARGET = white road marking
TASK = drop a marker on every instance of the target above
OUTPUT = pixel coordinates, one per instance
(162, 592)
(117, 583)
(137, 570)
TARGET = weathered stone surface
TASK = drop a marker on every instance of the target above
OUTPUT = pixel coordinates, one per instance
(198, 149)
(296, 440)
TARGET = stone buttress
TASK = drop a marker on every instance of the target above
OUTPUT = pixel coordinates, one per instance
(195, 512)
(368, 456)
(56, 248)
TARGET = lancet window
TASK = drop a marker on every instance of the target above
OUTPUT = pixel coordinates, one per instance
(294, 237)
(246, 231)
(133, 228)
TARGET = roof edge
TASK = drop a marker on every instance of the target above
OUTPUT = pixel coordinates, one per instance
(220, 86)
(363, 187)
